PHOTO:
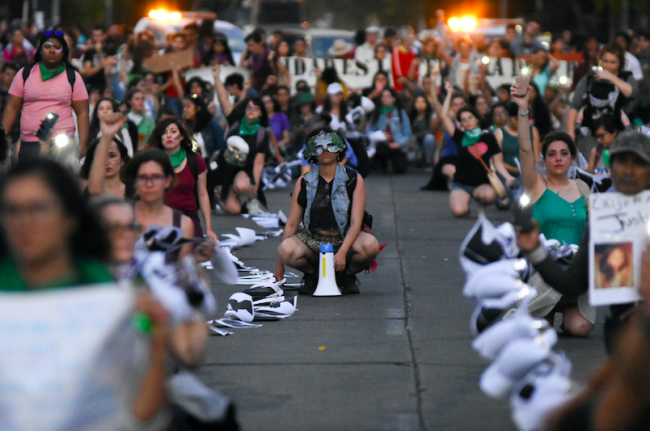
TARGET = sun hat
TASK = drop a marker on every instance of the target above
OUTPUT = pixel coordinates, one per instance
(340, 48)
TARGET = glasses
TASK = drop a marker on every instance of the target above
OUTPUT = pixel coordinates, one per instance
(253, 109)
(153, 179)
(467, 120)
(50, 45)
(38, 210)
(115, 228)
(50, 32)
(332, 148)
(601, 135)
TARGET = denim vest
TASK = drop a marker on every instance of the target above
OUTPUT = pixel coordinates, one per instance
(400, 126)
(340, 198)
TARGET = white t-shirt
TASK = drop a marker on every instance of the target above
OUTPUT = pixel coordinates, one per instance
(364, 53)
(633, 65)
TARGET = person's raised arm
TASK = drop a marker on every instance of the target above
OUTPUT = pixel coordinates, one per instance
(533, 181)
(356, 219)
(442, 51)
(555, 64)
(222, 93)
(109, 126)
(293, 221)
(443, 112)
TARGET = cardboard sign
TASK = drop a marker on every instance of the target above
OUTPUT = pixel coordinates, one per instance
(618, 236)
(163, 63)
(62, 354)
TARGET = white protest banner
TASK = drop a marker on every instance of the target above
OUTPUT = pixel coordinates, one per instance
(618, 236)
(359, 75)
(62, 358)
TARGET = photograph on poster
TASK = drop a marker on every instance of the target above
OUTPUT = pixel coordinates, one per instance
(614, 265)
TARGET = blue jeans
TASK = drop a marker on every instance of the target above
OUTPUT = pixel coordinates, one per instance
(427, 146)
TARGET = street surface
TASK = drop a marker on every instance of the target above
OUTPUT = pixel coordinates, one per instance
(397, 357)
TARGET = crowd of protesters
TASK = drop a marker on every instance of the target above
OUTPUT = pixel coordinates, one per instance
(180, 148)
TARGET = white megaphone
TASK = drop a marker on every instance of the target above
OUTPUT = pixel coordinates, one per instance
(326, 276)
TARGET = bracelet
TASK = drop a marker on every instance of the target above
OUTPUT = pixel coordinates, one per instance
(524, 114)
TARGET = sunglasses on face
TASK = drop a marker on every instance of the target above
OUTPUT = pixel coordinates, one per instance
(332, 148)
(50, 45)
(50, 32)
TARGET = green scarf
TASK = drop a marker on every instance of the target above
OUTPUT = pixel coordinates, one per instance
(385, 110)
(48, 74)
(249, 129)
(471, 137)
(606, 157)
(178, 157)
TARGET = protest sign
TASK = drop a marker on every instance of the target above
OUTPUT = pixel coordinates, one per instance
(163, 63)
(358, 75)
(62, 358)
(618, 236)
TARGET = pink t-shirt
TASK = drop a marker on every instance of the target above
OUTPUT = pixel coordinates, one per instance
(54, 95)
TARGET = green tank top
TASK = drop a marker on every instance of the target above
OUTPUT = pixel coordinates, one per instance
(559, 219)
(509, 147)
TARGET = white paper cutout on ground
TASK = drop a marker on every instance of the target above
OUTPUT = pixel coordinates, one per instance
(224, 267)
(245, 238)
(219, 331)
(233, 323)
(63, 358)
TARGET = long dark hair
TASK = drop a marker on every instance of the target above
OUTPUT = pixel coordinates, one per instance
(202, 117)
(605, 268)
(223, 39)
(93, 129)
(428, 112)
(155, 139)
(38, 56)
(541, 112)
(398, 105)
(343, 109)
(90, 156)
(89, 239)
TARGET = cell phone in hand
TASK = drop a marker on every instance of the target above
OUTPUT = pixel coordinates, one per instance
(47, 125)
(524, 215)
(521, 84)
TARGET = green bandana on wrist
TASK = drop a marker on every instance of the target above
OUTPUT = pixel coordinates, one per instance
(471, 137)
(606, 157)
(385, 110)
(178, 157)
(249, 129)
(48, 74)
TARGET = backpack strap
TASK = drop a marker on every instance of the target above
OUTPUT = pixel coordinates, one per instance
(599, 154)
(72, 77)
(261, 132)
(193, 163)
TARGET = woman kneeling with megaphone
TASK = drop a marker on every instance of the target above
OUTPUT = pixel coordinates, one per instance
(330, 201)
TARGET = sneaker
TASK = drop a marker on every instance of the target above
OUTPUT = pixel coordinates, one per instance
(348, 283)
(308, 284)
(255, 207)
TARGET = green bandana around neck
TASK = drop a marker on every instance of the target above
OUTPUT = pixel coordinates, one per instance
(606, 157)
(471, 137)
(385, 110)
(178, 157)
(249, 129)
(48, 74)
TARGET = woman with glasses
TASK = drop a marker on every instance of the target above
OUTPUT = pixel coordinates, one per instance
(49, 85)
(330, 201)
(189, 193)
(471, 177)
(241, 161)
(153, 175)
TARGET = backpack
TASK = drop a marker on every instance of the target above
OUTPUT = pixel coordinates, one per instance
(261, 132)
(603, 98)
(70, 71)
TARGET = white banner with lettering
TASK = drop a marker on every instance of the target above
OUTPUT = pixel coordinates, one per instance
(618, 236)
(358, 75)
(62, 358)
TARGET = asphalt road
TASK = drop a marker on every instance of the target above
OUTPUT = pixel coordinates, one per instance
(395, 357)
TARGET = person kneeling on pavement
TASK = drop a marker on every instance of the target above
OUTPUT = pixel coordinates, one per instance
(330, 200)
